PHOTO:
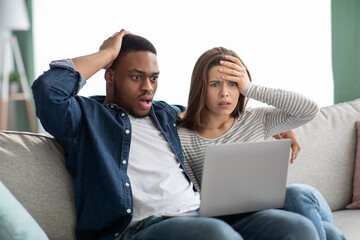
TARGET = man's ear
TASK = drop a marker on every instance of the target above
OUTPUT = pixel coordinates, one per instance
(109, 76)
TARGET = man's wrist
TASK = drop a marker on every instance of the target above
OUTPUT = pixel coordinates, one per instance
(108, 56)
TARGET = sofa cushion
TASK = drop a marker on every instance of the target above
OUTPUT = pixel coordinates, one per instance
(356, 186)
(32, 166)
(327, 157)
(348, 221)
(15, 222)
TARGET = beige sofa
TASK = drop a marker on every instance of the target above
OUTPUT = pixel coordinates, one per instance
(32, 167)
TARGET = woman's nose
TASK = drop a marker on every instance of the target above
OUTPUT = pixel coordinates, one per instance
(224, 92)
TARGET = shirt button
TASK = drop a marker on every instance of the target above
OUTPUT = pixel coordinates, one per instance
(128, 210)
(124, 162)
(123, 114)
(127, 184)
(127, 131)
(174, 125)
(116, 234)
(112, 106)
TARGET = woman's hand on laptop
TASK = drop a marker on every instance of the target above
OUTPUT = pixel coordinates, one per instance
(295, 146)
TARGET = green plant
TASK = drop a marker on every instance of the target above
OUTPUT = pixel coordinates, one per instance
(14, 76)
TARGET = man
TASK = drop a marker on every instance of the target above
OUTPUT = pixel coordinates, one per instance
(122, 191)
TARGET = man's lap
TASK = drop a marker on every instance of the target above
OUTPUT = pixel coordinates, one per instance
(266, 224)
(178, 228)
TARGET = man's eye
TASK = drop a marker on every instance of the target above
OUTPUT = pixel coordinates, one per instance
(136, 77)
(233, 84)
(154, 79)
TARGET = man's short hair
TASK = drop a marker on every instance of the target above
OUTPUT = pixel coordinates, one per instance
(134, 43)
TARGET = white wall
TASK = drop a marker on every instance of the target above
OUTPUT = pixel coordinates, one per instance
(285, 44)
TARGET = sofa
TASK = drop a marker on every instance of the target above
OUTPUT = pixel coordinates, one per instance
(32, 167)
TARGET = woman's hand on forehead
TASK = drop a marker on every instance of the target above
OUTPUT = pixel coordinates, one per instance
(234, 70)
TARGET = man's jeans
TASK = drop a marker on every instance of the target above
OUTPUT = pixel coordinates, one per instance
(267, 224)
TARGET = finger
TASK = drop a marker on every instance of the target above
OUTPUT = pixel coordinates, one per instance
(231, 65)
(233, 75)
(230, 78)
(296, 153)
(124, 32)
(232, 68)
(231, 71)
(235, 60)
(116, 33)
(278, 136)
(293, 157)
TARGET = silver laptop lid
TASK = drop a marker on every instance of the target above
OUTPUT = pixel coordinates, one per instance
(244, 177)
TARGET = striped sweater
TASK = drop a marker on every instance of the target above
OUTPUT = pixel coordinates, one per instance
(287, 110)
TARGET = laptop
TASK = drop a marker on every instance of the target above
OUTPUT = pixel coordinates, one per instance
(243, 177)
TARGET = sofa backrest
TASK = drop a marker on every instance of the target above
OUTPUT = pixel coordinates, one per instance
(32, 167)
(327, 157)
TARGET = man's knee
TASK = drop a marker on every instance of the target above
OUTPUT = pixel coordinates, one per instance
(205, 228)
(218, 229)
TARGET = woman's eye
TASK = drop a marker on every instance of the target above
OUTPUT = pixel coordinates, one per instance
(233, 84)
(214, 84)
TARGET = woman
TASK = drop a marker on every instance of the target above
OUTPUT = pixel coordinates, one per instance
(216, 114)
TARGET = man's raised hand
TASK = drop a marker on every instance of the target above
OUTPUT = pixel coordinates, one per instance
(90, 64)
(112, 45)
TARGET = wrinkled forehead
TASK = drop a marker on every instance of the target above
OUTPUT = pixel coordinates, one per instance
(214, 73)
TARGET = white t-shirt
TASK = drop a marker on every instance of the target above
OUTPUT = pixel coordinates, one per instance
(158, 182)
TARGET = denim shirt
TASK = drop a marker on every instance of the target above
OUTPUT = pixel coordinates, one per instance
(96, 138)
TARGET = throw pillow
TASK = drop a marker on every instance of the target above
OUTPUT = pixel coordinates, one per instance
(15, 222)
(356, 188)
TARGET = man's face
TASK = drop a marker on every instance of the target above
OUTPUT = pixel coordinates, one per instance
(135, 82)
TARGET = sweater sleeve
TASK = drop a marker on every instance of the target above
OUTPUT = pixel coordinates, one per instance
(289, 109)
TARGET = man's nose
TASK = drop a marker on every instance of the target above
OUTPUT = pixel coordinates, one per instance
(147, 85)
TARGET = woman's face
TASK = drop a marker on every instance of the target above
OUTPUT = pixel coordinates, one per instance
(222, 95)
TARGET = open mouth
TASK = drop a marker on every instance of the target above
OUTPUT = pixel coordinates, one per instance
(145, 102)
(224, 103)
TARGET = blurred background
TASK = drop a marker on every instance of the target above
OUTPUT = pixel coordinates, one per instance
(312, 47)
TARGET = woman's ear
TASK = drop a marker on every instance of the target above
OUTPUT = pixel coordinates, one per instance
(109, 76)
